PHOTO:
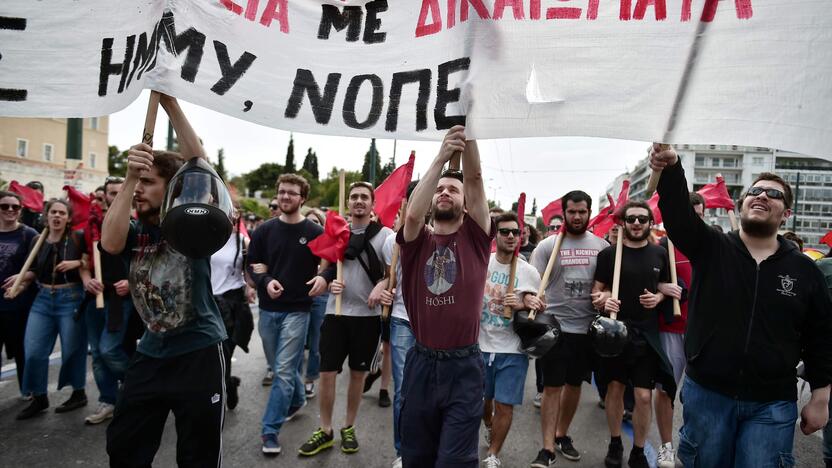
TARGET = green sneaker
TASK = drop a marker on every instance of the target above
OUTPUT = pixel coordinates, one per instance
(349, 444)
(319, 441)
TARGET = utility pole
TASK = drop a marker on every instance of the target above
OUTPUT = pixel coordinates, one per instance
(796, 205)
(170, 136)
(373, 159)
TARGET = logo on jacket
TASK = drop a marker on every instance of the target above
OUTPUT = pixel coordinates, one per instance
(302, 241)
(787, 285)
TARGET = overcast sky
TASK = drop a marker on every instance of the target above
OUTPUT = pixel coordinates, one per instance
(545, 168)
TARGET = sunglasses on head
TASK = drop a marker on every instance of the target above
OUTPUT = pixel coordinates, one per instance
(642, 219)
(770, 192)
(507, 231)
(9, 207)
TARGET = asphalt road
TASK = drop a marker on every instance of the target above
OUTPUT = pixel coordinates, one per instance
(63, 440)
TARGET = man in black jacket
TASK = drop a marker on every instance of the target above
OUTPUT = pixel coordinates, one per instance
(756, 307)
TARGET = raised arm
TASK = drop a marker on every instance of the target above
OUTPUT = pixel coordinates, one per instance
(189, 144)
(475, 201)
(116, 223)
(422, 196)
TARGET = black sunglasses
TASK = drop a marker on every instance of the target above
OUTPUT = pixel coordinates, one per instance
(507, 231)
(273, 207)
(553, 228)
(642, 219)
(770, 192)
(9, 207)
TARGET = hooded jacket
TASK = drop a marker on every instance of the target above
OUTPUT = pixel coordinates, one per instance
(748, 325)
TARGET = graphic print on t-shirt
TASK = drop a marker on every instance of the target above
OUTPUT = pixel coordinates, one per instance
(162, 281)
(440, 270)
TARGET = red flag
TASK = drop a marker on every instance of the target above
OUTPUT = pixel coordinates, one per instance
(521, 209)
(827, 239)
(32, 199)
(332, 244)
(654, 207)
(392, 191)
(241, 226)
(716, 195)
(551, 210)
(92, 230)
(605, 220)
(80, 207)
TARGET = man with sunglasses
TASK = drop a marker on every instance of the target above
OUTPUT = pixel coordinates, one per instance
(554, 226)
(757, 307)
(443, 278)
(644, 266)
(15, 243)
(569, 298)
(505, 365)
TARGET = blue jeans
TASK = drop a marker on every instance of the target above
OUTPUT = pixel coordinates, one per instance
(53, 314)
(721, 431)
(401, 340)
(313, 338)
(284, 333)
(109, 359)
(827, 438)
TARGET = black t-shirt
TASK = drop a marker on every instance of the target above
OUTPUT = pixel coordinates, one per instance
(14, 247)
(284, 249)
(71, 247)
(642, 268)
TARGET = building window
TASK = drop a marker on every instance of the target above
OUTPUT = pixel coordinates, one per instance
(700, 160)
(92, 160)
(22, 147)
(758, 160)
(48, 149)
(729, 162)
(715, 162)
(94, 123)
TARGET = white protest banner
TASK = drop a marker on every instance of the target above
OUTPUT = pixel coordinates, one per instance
(745, 72)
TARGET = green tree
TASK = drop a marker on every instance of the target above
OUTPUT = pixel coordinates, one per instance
(328, 191)
(220, 165)
(310, 164)
(365, 169)
(250, 205)
(387, 169)
(263, 178)
(534, 207)
(290, 155)
(116, 161)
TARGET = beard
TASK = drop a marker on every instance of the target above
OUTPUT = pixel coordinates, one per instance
(576, 231)
(147, 215)
(755, 228)
(291, 210)
(447, 215)
(629, 236)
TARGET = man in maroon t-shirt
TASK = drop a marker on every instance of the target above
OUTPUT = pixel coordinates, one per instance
(443, 278)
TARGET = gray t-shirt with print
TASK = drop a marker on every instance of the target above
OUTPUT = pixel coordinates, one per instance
(357, 285)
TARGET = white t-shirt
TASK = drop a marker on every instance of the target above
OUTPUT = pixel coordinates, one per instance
(227, 274)
(357, 287)
(398, 310)
(496, 333)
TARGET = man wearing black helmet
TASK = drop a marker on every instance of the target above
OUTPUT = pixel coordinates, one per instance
(505, 365)
(644, 266)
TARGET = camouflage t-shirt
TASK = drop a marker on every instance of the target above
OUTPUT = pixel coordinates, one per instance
(172, 294)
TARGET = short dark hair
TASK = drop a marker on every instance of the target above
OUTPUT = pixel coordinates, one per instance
(167, 163)
(696, 199)
(112, 180)
(35, 184)
(5, 193)
(295, 179)
(576, 196)
(453, 174)
(635, 204)
(789, 235)
(362, 184)
(787, 189)
(410, 187)
(506, 217)
(100, 187)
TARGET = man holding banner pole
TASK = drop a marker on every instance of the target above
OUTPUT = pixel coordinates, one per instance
(443, 278)
(757, 307)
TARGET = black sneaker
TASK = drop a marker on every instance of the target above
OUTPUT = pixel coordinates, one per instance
(78, 399)
(615, 456)
(370, 380)
(319, 441)
(38, 404)
(384, 398)
(349, 444)
(638, 460)
(233, 396)
(565, 447)
(544, 459)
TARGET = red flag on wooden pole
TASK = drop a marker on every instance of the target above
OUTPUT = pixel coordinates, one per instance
(332, 244)
(551, 210)
(80, 207)
(390, 193)
(716, 195)
(32, 199)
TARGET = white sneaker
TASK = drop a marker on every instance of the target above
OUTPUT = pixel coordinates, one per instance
(397, 463)
(538, 400)
(268, 378)
(103, 413)
(666, 459)
(492, 461)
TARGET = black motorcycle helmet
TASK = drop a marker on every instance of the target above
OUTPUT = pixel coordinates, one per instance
(197, 212)
(538, 336)
(608, 336)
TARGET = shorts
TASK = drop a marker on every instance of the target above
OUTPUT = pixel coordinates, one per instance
(354, 337)
(673, 345)
(637, 365)
(505, 377)
(570, 362)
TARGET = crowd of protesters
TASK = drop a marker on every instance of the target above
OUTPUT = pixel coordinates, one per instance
(752, 307)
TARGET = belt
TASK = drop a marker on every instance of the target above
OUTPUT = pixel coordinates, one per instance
(445, 354)
(58, 286)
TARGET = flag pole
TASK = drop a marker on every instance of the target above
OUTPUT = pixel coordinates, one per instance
(391, 284)
(340, 266)
(512, 275)
(616, 273)
(732, 217)
(544, 281)
(671, 253)
(14, 291)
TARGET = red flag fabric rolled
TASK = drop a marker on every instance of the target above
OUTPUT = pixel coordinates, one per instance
(521, 210)
(390, 193)
(332, 244)
(551, 210)
(606, 219)
(32, 199)
(716, 195)
(80, 207)
(654, 207)
(827, 239)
